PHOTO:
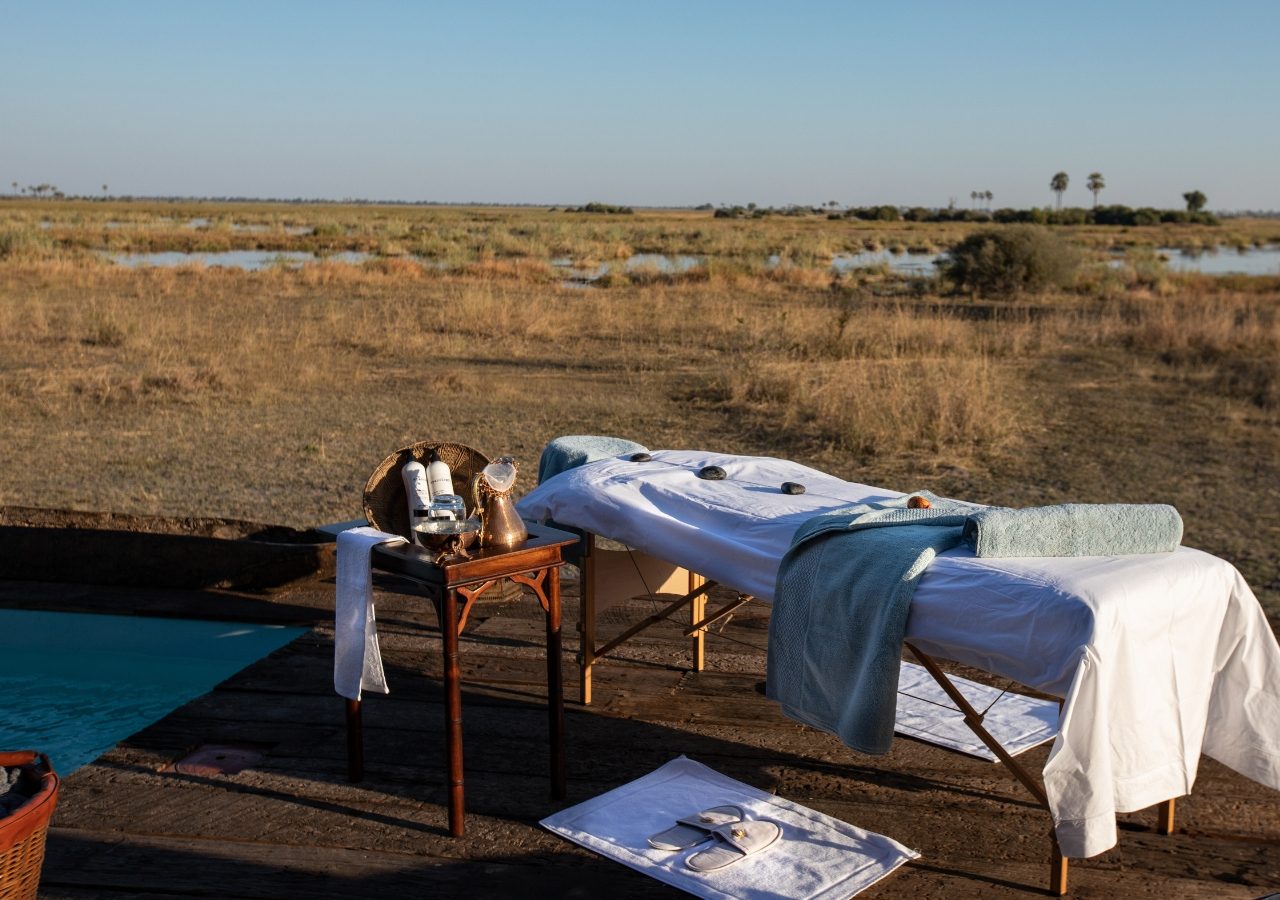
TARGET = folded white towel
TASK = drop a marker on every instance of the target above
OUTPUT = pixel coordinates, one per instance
(357, 663)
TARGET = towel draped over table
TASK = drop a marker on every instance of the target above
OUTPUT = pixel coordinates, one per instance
(357, 662)
(840, 613)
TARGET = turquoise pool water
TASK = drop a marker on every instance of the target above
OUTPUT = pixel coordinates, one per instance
(72, 685)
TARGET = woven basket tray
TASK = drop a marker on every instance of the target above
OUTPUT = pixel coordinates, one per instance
(384, 497)
(22, 832)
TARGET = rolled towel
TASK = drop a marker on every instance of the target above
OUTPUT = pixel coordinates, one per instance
(571, 451)
(1074, 529)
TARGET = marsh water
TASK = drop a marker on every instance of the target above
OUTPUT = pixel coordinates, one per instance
(1222, 261)
(248, 260)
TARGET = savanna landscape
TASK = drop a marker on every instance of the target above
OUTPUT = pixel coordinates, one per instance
(270, 394)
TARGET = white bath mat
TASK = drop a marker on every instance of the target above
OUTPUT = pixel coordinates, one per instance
(816, 858)
(925, 712)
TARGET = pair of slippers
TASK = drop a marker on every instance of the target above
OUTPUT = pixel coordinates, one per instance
(732, 836)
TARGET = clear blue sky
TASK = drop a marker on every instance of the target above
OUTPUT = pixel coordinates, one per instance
(645, 103)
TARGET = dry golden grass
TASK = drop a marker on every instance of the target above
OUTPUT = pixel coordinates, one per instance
(271, 395)
(805, 356)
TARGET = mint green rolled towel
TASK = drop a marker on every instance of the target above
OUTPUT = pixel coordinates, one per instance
(1074, 529)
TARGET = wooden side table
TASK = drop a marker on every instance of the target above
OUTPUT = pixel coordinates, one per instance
(452, 588)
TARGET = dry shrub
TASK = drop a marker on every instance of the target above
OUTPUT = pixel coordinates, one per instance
(1202, 333)
(1004, 262)
(183, 384)
(393, 267)
(881, 407)
(800, 276)
(526, 270)
(24, 243)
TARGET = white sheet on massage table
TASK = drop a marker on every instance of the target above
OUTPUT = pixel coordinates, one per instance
(1150, 652)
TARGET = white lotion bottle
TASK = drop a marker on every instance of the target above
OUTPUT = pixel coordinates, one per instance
(417, 487)
(439, 476)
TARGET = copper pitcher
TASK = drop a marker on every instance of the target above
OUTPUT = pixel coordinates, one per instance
(502, 526)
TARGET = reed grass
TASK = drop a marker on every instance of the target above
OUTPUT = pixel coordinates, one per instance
(473, 233)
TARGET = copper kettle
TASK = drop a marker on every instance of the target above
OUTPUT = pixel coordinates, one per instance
(491, 492)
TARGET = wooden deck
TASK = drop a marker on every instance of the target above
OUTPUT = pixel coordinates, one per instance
(292, 827)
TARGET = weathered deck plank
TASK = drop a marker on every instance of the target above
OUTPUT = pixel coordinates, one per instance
(292, 826)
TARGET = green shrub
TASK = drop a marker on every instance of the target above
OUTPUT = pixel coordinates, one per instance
(1008, 261)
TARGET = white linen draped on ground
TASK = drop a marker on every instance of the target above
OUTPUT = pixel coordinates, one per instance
(1158, 657)
(357, 662)
(816, 858)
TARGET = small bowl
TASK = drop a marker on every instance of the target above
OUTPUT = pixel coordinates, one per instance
(446, 534)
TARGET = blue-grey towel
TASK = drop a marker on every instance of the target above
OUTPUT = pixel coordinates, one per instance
(1074, 529)
(573, 450)
(840, 613)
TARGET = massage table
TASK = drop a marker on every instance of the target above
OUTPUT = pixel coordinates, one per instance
(1156, 658)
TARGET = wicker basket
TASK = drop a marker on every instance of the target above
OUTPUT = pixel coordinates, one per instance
(384, 498)
(22, 832)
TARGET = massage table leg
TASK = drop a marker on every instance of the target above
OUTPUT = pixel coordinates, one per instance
(587, 619)
(590, 653)
(697, 610)
(973, 719)
(1057, 871)
(1164, 817)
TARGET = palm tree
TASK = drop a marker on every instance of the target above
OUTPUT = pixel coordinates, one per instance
(1095, 184)
(1195, 201)
(15, 187)
(973, 199)
(104, 190)
(1058, 184)
(988, 196)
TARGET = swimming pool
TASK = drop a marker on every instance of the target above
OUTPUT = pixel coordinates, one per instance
(72, 685)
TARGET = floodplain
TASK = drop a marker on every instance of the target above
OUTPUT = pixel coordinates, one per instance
(270, 393)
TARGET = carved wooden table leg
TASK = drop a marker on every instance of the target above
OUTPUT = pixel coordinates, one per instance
(555, 685)
(355, 741)
(453, 711)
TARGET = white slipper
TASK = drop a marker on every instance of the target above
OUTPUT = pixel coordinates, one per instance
(693, 830)
(735, 841)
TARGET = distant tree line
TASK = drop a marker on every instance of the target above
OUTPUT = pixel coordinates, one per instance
(43, 191)
(751, 211)
(610, 208)
(1116, 214)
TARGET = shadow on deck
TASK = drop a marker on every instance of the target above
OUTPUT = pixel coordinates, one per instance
(291, 826)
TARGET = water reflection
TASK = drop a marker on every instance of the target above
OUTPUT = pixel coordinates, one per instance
(1249, 261)
(902, 263)
(1225, 261)
(637, 262)
(247, 260)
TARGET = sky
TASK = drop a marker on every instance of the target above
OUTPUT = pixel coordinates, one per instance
(651, 104)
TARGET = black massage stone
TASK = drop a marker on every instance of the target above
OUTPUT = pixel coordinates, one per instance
(712, 473)
(640, 457)
(792, 487)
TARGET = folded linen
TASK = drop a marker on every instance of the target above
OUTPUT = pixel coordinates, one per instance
(573, 450)
(1074, 529)
(357, 661)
